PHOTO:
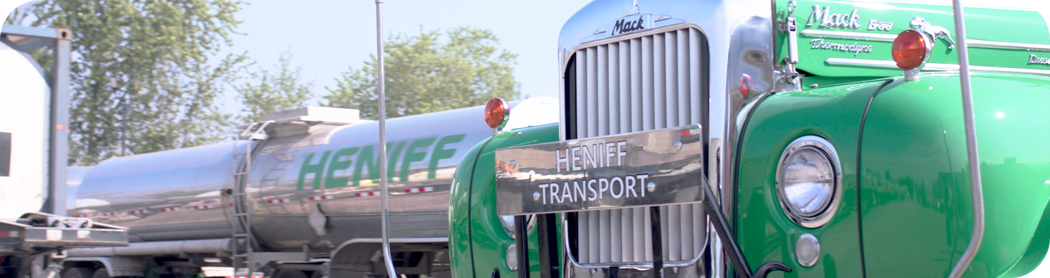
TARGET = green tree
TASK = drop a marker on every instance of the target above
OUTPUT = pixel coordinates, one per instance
(142, 80)
(271, 92)
(428, 73)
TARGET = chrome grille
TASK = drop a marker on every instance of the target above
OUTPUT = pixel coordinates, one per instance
(643, 83)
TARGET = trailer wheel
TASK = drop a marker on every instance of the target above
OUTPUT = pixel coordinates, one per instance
(100, 273)
(283, 273)
(77, 272)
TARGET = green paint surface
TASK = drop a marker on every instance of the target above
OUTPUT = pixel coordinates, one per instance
(987, 24)
(915, 192)
(913, 196)
(489, 242)
(459, 243)
(764, 232)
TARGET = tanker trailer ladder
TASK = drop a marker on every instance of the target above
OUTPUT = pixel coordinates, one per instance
(243, 240)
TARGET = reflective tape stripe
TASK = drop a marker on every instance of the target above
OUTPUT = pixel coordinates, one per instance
(367, 194)
(321, 197)
(278, 201)
(419, 189)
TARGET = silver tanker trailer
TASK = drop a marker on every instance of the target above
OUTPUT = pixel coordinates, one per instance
(306, 181)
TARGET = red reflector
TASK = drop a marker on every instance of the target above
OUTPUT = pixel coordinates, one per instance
(497, 111)
(744, 90)
(911, 49)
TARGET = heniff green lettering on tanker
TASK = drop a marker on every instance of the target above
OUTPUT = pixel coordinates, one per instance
(365, 160)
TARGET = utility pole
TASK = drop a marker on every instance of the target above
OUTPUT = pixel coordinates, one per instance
(385, 195)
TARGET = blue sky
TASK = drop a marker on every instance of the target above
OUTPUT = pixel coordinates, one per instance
(327, 37)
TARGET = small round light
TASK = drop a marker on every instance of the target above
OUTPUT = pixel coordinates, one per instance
(808, 182)
(807, 250)
(512, 257)
(911, 49)
(497, 112)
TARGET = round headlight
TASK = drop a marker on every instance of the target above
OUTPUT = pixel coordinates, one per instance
(809, 183)
(508, 224)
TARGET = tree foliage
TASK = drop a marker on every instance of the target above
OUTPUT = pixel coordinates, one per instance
(276, 91)
(430, 72)
(141, 71)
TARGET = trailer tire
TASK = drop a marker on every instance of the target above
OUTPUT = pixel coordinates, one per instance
(284, 273)
(100, 273)
(77, 272)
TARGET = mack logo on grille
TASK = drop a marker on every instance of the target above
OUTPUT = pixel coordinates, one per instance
(624, 26)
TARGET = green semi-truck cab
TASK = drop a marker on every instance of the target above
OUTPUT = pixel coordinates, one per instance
(774, 139)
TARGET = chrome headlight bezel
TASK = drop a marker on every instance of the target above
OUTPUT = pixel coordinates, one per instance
(507, 222)
(822, 146)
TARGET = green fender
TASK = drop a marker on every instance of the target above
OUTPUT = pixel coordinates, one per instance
(915, 188)
(764, 232)
(908, 213)
(477, 241)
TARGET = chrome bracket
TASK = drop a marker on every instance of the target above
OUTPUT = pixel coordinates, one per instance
(790, 75)
(937, 32)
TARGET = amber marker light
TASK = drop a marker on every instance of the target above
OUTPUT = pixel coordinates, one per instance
(497, 112)
(911, 49)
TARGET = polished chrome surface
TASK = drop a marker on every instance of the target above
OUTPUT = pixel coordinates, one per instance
(162, 196)
(883, 64)
(740, 35)
(933, 31)
(807, 250)
(176, 195)
(689, 268)
(817, 218)
(385, 192)
(650, 168)
(1007, 45)
(974, 165)
(652, 78)
(507, 221)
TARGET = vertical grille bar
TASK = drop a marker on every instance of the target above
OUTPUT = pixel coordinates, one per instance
(641, 84)
(684, 100)
(581, 89)
(592, 93)
(602, 102)
(613, 104)
(647, 84)
(636, 85)
(695, 79)
(624, 87)
(659, 83)
(671, 90)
